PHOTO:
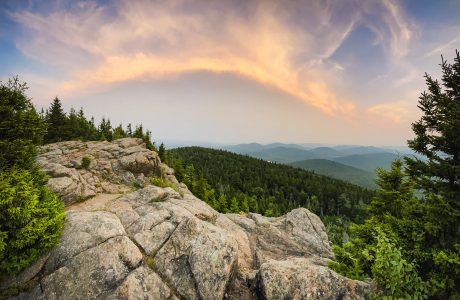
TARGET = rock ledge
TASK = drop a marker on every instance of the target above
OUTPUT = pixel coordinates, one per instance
(156, 243)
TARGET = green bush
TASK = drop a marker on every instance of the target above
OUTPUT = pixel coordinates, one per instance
(85, 162)
(397, 277)
(162, 182)
(31, 218)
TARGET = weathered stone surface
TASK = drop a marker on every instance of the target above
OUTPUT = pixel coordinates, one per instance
(83, 230)
(197, 260)
(143, 284)
(299, 278)
(114, 167)
(152, 240)
(93, 273)
(157, 243)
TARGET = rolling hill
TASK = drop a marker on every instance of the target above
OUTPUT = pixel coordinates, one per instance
(283, 154)
(368, 162)
(339, 171)
(274, 188)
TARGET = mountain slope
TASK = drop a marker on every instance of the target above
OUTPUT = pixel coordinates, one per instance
(339, 171)
(283, 154)
(273, 189)
(368, 162)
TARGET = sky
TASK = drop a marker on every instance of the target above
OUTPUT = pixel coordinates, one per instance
(314, 71)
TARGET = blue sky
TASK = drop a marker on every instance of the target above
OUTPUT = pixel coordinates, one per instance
(234, 71)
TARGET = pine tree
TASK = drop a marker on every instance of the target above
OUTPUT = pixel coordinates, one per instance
(118, 132)
(245, 204)
(234, 207)
(105, 130)
(57, 122)
(222, 203)
(129, 130)
(162, 152)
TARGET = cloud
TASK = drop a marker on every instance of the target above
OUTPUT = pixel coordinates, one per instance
(279, 44)
(393, 112)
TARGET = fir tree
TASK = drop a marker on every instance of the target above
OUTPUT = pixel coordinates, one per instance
(118, 132)
(162, 152)
(222, 203)
(234, 207)
(57, 122)
(105, 130)
(437, 136)
(21, 128)
(245, 204)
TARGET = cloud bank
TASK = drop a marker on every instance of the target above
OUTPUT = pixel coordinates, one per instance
(286, 45)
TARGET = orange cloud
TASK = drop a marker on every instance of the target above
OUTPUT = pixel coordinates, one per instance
(146, 39)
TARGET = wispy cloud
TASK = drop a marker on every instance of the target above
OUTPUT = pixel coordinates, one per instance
(275, 43)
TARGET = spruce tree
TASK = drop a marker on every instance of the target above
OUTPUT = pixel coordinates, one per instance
(21, 128)
(56, 120)
(118, 132)
(234, 207)
(437, 137)
(222, 203)
(162, 152)
(245, 204)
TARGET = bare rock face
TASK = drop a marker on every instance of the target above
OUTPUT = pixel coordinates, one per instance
(113, 168)
(158, 243)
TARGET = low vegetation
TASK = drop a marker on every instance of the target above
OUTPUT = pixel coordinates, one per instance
(163, 182)
(85, 162)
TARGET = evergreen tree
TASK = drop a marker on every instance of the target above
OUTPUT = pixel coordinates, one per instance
(31, 220)
(162, 152)
(234, 207)
(437, 136)
(72, 129)
(222, 203)
(105, 130)
(411, 246)
(57, 122)
(31, 216)
(21, 128)
(118, 132)
(245, 204)
(129, 130)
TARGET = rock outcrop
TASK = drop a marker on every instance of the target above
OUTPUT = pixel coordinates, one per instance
(113, 167)
(159, 243)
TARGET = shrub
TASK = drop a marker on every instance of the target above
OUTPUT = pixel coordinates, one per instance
(150, 261)
(162, 182)
(137, 185)
(397, 277)
(31, 221)
(85, 162)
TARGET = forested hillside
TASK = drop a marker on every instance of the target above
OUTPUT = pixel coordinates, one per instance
(268, 188)
(339, 171)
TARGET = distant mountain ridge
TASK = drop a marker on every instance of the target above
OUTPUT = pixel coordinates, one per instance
(339, 171)
(353, 163)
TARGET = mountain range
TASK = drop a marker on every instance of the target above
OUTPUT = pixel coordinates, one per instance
(353, 163)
